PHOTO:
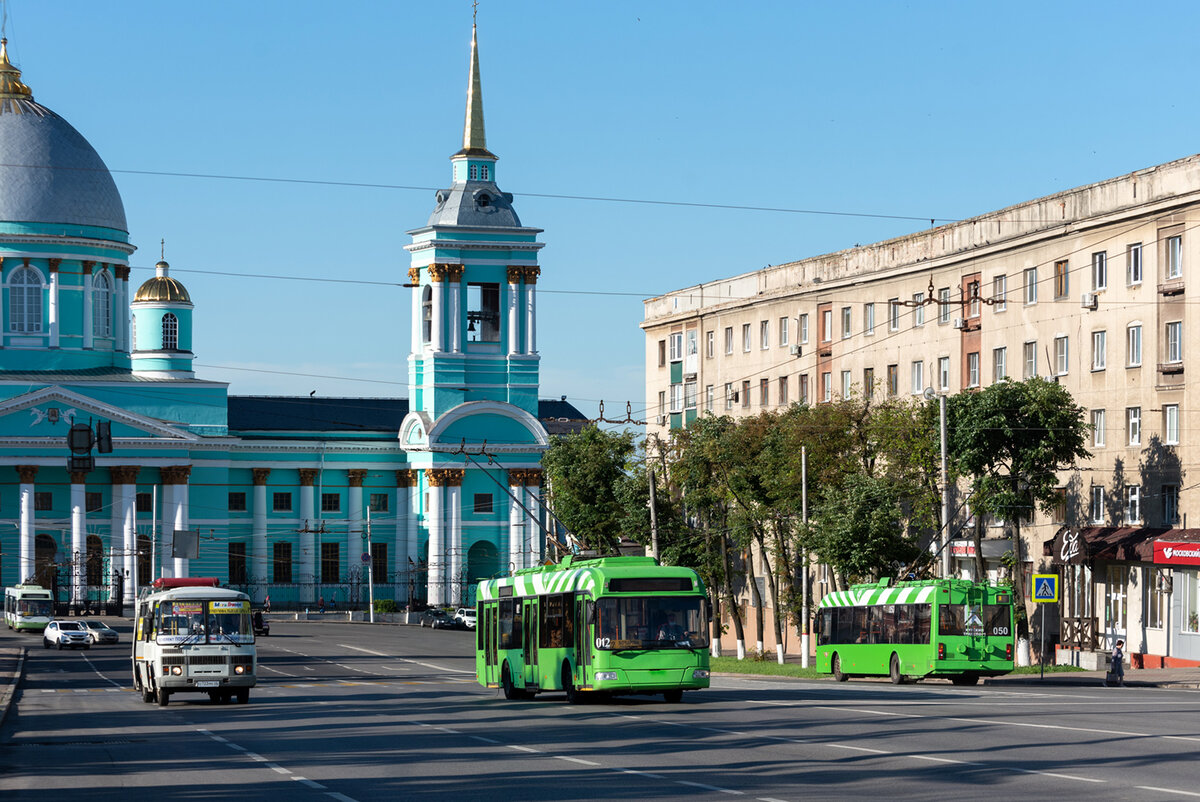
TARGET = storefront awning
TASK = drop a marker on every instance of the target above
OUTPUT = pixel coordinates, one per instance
(1178, 547)
(1079, 546)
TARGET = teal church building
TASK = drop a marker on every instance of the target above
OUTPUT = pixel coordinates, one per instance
(302, 499)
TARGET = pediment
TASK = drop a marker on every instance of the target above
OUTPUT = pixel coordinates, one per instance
(50, 411)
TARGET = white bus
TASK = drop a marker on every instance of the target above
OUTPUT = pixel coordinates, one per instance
(191, 636)
(28, 608)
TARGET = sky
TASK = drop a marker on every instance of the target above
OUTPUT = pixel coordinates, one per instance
(631, 132)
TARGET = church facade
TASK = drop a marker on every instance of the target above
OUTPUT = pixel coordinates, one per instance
(302, 499)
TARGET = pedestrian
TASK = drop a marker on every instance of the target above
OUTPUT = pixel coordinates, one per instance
(321, 604)
(1116, 668)
(267, 603)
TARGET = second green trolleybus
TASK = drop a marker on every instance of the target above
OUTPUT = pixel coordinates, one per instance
(612, 625)
(949, 628)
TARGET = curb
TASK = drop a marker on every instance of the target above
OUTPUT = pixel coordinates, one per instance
(10, 689)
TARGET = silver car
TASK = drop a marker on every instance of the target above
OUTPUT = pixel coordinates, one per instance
(100, 632)
(66, 635)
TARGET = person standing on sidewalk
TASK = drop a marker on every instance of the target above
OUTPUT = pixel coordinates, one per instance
(1116, 668)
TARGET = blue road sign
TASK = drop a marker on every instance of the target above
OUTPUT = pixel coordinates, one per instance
(1045, 588)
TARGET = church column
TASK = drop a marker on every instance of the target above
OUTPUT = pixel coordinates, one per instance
(435, 587)
(78, 538)
(175, 483)
(124, 480)
(531, 277)
(414, 278)
(308, 548)
(454, 275)
(166, 541)
(514, 310)
(88, 341)
(121, 329)
(258, 532)
(437, 338)
(405, 549)
(55, 313)
(25, 566)
(516, 518)
(533, 532)
(355, 545)
(456, 585)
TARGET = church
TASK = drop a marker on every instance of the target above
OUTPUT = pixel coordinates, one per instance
(118, 464)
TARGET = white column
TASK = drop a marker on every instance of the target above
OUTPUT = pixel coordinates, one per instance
(454, 287)
(531, 315)
(166, 540)
(87, 304)
(257, 569)
(400, 549)
(355, 545)
(121, 329)
(26, 566)
(533, 532)
(516, 524)
(308, 546)
(78, 499)
(435, 588)
(416, 315)
(180, 513)
(514, 310)
(437, 335)
(128, 493)
(454, 519)
(53, 318)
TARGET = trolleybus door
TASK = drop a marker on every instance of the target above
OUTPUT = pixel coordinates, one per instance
(530, 645)
(583, 652)
(490, 637)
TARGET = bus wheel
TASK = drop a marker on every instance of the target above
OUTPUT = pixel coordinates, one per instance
(965, 679)
(164, 696)
(573, 696)
(243, 696)
(897, 677)
(673, 696)
(837, 669)
(510, 691)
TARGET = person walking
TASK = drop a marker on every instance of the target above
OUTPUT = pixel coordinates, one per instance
(1116, 668)
(267, 603)
(321, 604)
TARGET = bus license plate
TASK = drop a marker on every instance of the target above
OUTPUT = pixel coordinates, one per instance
(208, 684)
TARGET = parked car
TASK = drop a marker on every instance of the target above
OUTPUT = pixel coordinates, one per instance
(465, 616)
(261, 625)
(100, 632)
(66, 634)
(438, 619)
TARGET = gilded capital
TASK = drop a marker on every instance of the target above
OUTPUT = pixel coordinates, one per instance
(533, 477)
(87, 267)
(122, 272)
(308, 477)
(54, 263)
(79, 477)
(414, 275)
(28, 473)
(444, 477)
(514, 274)
(406, 478)
(454, 273)
(531, 274)
(260, 475)
(124, 474)
(176, 474)
(437, 272)
(356, 476)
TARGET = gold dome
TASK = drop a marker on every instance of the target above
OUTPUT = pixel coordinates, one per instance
(10, 77)
(162, 288)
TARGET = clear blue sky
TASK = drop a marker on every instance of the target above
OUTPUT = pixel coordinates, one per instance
(927, 110)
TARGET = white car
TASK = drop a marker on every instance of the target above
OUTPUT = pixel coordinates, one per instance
(465, 616)
(66, 634)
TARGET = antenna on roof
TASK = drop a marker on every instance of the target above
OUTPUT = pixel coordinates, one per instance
(162, 253)
(474, 11)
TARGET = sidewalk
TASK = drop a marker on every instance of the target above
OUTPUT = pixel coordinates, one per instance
(1176, 678)
(12, 663)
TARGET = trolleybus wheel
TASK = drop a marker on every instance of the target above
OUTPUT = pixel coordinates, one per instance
(147, 695)
(837, 669)
(243, 696)
(573, 696)
(510, 691)
(965, 679)
(673, 696)
(897, 677)
(164, 696)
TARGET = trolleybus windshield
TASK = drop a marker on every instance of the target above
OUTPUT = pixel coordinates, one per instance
(204, 621)
(976, 620)
(33, 608)
(651, 622)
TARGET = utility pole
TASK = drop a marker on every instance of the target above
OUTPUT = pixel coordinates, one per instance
(653, 517)
(804, 559)
(945, 489)
(370, 568)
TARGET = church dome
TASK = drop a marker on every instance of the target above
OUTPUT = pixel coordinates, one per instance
(48, 172)
(162, 288)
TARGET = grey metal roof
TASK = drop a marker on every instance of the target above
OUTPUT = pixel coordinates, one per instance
(474, 203)
(50, 174)
(103, 374)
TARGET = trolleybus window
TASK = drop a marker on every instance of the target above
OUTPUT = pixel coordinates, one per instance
(33, 607)
(886, 623)
(510, 624)
(654, 622)
(997, 620)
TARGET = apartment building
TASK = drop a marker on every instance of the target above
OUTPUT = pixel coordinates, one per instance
(1087, 287)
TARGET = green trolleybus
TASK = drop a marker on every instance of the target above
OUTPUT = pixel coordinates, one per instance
(27, 608)
(949, 628)
(612, 625)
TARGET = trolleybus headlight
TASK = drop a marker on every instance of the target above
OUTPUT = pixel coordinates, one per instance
(602, 676)
(177, 670)
(239, 669)
(700, 673)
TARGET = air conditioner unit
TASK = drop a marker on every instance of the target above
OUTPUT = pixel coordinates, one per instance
(1089, 300)
(795, 350)
(959, 323)
(662, 420)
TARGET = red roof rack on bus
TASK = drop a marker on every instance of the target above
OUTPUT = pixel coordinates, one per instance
(168, 582)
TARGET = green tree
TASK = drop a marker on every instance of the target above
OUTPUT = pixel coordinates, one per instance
(584, 472)
(859, 527)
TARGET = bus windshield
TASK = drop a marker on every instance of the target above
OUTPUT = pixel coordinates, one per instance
(200, 621)
(651, 622)
(35, 608)
(975, 620)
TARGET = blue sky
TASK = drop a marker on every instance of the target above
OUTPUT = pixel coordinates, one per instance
(918, 110)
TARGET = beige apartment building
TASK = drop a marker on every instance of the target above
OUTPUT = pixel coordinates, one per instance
(1088, 287)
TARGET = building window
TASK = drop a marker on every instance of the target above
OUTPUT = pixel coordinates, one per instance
(1031, 286)
(237, 502)
(804, 329)
(1060, 356)
(677, 398)
(783, 331)
(868, 383)
(869, 318)
(708, 398)
(427, 314)
(764, 334)
(330, 562)
(973, 299)
(93, 502)
(1133, 420)
(783, 390)
(764, 392)
(1029, 356)
(1170, 505)
(1099, 350)
(710, 344)
(102, 304)
(918, 309)
(1096, 509)
(237, 563)
(1060, 279)
(691, 349)
(1133, 504)
(827, 386)
(944, 305)
(662, 353)
(473, 174)
(918, 377)
(972, 369)
(143, 502)
(746, 338)
(281, 502)
(1000, 293)
(827, 325)
(746, 394)
(43, 501)
(1175, 257)
(944, 372)
(1171, 424)
(1133, 271)
(729, 395)
(170, 332)
(893, 380)
(1133, 339)
(1155, 598)
(1190, 580)
(1100, 270)
(676, 341)
(1174, 342)
(25, 301)
(729, 339)
(1058, 512)
(689, 395)
(379, 563)
(281, 562)
(999, 364)
(846, 324)
(379, 502)
(662, 402)
(1116, 583)
(894, 314)
(803, 388)
(483, 503)
(845, 384)
(1098, 428)
(331, 502)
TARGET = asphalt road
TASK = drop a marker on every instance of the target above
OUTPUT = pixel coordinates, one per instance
(356, 712)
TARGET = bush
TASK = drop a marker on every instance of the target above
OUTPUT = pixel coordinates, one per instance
(386, 606)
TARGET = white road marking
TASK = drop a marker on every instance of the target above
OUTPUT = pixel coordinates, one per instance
(1059, 776)
(406, 660)
(641, 773)
(310, 783)
(275, 670)
(341, 797)
(579, 760)
(1165, 790)
(279, 769)
(520, 748)
(485, 740)
(711, 788)
(101, 676)
(275, 767)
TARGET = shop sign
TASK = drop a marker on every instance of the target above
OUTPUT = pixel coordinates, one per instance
(1176, 553)
(1069, 548)
(962, 548)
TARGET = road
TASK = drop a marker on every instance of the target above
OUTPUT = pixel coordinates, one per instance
(354, 712)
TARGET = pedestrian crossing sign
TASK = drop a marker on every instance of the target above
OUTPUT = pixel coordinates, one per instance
(1045, 588)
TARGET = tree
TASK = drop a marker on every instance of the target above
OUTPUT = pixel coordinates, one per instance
(584, 471)
(860, 529)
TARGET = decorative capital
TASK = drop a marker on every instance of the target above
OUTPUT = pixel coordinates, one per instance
(524, 477)
(356, 476)
(28, 473)
(531, 274)
(54, 263)
(260, 475)
(176, 474)
(308, 477)
(454, 273)
(79, 477)
(406, 478)
(414, 275)
(514, 274)
(444, 477)
(437, 272)
(124, 474)
(122, 272)
(88, 267)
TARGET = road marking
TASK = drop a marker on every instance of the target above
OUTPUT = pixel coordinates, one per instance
(520, 748)
(106, 679)
(642, 773)
(275, 767)
(276, 670)
(406, 660)
(310, 783)
(279, 769)
(578, 760)
(1165, 790)
(711, 788)
(341, 797)
(485, 740)
(1059, 776)
(859, 749)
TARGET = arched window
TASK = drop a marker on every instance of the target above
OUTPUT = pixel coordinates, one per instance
(427, 314)
(483, 172)
(25, 301)
(102, 305)
(474, 172)
(170, 332)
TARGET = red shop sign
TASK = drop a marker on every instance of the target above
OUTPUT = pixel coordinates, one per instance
(1176, 553)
